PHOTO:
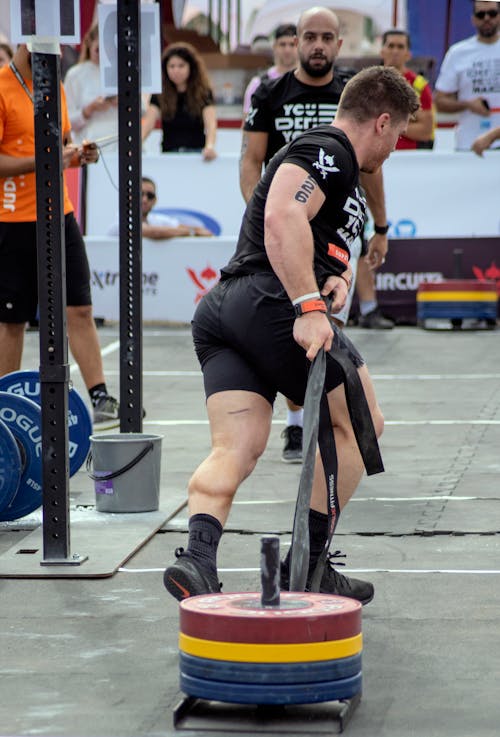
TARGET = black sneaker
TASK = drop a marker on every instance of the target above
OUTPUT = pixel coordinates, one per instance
(186, 577)
(292, 452)
(106, 413)
(334, 582)
(375, 320)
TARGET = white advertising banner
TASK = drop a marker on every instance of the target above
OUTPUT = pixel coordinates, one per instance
(176, 273)
(429, 194)
(195, 191)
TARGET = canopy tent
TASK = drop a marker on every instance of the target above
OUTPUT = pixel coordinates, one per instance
(384, 13)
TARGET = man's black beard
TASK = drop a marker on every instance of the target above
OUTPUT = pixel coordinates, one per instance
(488, 33)
(314, 71)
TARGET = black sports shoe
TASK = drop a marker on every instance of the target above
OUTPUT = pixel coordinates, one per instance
(186, 577)
(292, 452)
(334, 582)
(106, 413)
(375, 321)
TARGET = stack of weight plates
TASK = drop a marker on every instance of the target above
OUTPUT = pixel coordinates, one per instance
(306, 650)
(457, 299)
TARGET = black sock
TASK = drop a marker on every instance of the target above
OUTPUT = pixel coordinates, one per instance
(97, 391)
(318, 534)
(204, 534)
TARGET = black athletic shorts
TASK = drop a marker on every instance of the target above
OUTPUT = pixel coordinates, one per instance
(243, 337)
(18, 270)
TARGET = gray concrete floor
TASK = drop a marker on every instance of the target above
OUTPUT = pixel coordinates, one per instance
(98, 657)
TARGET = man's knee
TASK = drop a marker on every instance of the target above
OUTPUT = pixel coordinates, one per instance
(80, 313)
(224, 470)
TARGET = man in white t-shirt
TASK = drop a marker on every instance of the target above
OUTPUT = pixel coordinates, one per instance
(157, 225)
(285, 59)
(469, 78)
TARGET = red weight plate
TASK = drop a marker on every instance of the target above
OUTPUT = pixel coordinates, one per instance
(458, 285)
(301, 617)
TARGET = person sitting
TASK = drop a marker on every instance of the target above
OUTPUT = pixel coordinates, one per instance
(186, 105)
(157, 225)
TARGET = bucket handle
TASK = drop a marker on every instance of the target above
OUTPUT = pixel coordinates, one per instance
(120, 471)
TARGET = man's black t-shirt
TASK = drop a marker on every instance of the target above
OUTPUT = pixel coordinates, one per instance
(284, 108)
(184, 130)
(326, 154)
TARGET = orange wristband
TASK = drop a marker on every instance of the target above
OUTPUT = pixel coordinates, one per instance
(310, 305)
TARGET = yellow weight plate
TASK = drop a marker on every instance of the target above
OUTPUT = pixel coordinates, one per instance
(258, 653)
(456, 297)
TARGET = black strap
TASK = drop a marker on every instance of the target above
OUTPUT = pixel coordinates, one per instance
(21, 80)
(318, 430)
(359, 413)
(114, 474)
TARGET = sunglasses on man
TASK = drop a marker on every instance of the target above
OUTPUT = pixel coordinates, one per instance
(149, 195)
(481, 14)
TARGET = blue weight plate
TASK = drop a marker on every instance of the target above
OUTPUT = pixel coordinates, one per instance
(224, 670)
(27, 384)
(23, 418)
(249, 693)
(10, 466)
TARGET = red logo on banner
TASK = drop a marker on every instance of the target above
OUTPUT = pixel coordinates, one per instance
(204, 281)
(492, 273)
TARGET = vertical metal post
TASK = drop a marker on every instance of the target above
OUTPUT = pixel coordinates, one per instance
(238, 22)
(228, 25)
(394, 13)
(219, 22)
(129, 148)
(54, 368)
(210, 20)
(447, 35)
(270, 570)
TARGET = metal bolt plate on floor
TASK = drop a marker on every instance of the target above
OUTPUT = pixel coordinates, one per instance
(214, 716)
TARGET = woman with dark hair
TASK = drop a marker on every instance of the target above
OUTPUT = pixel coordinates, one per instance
(186, 105)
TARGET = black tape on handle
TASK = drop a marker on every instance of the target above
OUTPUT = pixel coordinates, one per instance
(299, 558)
